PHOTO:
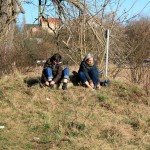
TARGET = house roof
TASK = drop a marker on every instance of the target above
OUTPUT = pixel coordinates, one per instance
(50, 20)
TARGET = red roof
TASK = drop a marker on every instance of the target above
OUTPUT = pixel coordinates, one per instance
(50, 20)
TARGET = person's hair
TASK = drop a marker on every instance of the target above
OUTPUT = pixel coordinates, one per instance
(57, 57)
(88, 56)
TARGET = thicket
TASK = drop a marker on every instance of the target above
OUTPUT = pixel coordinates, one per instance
(129, 45)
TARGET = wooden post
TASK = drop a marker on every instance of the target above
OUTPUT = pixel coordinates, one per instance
(107, 48)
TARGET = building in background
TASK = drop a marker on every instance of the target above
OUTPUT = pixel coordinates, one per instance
(49, 24)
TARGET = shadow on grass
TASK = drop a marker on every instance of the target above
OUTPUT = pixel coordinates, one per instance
(74, 78)
(32, 81)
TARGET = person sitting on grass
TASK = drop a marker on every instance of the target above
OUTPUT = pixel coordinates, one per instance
(88, 73)
(53, 72)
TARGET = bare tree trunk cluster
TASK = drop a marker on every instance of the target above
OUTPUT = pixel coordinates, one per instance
(8, 15)
(7, 22)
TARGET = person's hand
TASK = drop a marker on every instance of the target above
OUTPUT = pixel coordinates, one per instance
(47, 83)
(89, 86)
(92, 89)
(91, 83)
(98, 86)
(52, 82)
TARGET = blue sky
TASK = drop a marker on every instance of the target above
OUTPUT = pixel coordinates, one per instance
(140, 6)
(32, 10)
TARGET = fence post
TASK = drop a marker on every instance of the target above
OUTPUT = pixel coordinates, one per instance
(107, 50)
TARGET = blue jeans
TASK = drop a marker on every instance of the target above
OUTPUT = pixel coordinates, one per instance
(49, 74)
(93, 75)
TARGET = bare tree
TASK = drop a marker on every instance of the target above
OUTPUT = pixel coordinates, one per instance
(91, 16)
(8, 13)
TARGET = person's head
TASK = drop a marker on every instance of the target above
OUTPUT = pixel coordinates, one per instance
(89, 59)
(56, 58)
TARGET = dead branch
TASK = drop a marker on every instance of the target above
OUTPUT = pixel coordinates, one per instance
(20, 6)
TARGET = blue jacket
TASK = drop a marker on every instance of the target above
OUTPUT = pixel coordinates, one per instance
(85, 68)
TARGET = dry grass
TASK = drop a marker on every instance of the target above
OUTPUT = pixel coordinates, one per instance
(115, 117)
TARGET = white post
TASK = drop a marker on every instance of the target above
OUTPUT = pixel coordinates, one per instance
(107, 48)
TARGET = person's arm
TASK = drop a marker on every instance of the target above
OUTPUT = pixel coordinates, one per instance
(59, 74)
(95, 64)
(48, 63)
(85, 71)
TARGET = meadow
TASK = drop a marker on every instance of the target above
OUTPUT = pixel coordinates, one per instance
(116, 117)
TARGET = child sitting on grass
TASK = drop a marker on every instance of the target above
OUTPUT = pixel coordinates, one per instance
(53, 72)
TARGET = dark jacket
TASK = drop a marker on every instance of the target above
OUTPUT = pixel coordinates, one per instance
(57, 70)
(85, 68)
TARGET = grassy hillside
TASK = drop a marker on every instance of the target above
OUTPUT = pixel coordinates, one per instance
(115, 117)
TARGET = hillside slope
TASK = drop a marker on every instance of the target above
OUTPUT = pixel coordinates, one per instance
(114, 117)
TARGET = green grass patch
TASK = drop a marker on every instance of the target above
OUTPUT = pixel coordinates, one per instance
(112, 135)
(1, 95)
(134, 122)
(102, 97)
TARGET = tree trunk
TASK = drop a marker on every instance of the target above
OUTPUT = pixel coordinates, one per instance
(7, 22)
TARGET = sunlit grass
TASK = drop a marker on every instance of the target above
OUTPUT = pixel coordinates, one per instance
(114, 117)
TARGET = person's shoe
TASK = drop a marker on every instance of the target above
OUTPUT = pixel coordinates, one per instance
(40, 84)
(51, 87)
(64, 86)
(105, 82)
(96, 88)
